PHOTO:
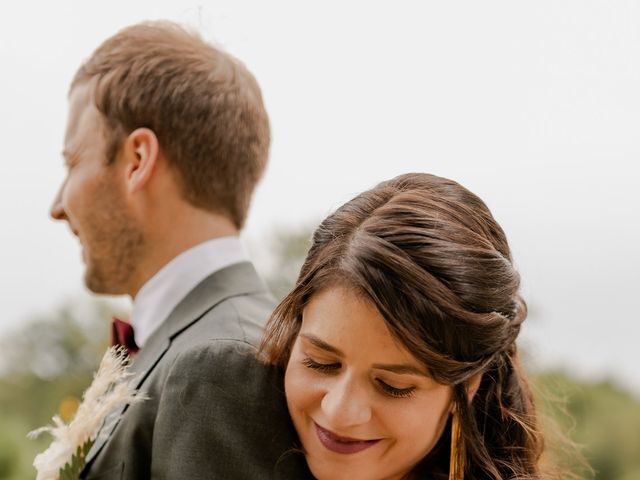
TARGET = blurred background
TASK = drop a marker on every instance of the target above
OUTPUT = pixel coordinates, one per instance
(534, 106)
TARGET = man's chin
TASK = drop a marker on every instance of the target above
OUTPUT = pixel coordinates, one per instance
(99, 285)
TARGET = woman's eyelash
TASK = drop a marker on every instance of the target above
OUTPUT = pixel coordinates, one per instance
(322, 367)
(396, 392)
(386, 388)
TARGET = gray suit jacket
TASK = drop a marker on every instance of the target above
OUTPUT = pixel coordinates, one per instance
(213, 412)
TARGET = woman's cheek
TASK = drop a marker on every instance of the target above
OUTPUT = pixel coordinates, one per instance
(297, 382)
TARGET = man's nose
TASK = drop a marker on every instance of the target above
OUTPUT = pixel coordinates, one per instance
(57, 210)
(346, 404)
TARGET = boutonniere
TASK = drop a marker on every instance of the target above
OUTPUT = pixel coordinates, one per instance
(110, 390)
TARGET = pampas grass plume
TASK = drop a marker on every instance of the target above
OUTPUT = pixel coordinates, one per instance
(110, 390)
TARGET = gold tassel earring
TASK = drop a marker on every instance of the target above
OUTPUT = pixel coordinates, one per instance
(456, 464)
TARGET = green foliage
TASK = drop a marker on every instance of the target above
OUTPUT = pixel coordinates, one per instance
(72, 469)
(603, 419)
(9, 451)
(45, 361)
(290, 250)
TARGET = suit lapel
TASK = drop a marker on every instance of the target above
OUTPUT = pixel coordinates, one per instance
(232, 281)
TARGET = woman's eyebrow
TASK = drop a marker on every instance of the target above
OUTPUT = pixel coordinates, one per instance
(400, 369)
(317, 342)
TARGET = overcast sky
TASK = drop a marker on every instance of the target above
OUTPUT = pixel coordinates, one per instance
(534, 106)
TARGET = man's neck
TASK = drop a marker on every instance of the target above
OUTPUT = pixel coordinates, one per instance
(165, 244)
(161, 294)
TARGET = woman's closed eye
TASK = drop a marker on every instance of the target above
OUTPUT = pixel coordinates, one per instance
(321, 367)
(394, 391)
(387, 389)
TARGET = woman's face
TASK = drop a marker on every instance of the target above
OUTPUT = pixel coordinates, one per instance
(363, 406)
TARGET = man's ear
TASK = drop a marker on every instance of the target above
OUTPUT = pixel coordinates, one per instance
(141, 149)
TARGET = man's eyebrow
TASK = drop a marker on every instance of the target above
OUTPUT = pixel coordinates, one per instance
(400, 369)
(317, 342)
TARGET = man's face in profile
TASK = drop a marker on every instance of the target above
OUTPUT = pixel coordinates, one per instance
(92, 199)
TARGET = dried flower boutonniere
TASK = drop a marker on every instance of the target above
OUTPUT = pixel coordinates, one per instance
(110, 390)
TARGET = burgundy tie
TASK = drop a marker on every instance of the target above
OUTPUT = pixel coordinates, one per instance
(122, 334)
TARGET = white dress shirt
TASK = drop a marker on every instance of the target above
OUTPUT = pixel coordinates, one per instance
(162, 292)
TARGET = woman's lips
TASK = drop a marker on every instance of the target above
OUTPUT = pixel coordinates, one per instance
(339, 444)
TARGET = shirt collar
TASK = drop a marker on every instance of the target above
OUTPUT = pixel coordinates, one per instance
(162, 292)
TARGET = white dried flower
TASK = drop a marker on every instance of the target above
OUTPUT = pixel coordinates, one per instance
(110, 390)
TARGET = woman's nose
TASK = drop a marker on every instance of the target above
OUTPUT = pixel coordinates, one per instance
(346, 404)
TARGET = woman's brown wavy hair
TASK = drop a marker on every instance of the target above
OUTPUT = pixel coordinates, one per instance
(430, 256)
